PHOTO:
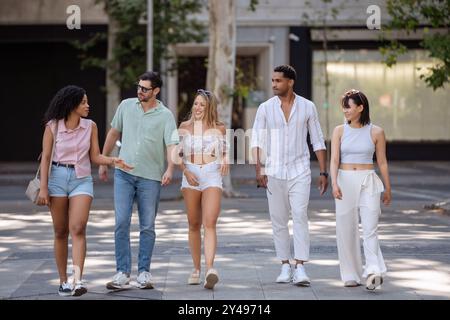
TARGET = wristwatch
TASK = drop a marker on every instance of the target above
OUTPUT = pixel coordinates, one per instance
(325, 174)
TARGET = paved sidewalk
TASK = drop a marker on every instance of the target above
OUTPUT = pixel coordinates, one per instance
(415, 244)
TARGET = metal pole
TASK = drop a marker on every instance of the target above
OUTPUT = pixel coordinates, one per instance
(149, 34)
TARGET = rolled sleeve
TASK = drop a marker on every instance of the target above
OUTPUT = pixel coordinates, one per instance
(117, 121)
(315, 131)
(259, 128)
(170, 132)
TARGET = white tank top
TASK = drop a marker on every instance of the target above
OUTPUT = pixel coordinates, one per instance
(357, 145)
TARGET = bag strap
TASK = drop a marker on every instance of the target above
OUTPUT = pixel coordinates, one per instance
(53, 151)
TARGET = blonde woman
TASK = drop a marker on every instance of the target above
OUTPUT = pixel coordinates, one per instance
(204, 161)
(357, 190)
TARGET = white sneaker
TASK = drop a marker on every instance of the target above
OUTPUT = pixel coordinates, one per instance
(80, 288)
(144, 280)
(119, 280)
(300, 278)
(285, 274)
(65, 289)
(373, 281)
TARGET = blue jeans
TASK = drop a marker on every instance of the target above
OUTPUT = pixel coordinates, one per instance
(128, 188)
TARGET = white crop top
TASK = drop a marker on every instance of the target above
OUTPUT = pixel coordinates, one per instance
(210, 144)
(357, 145)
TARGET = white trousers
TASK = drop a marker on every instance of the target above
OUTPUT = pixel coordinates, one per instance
(361, 191)
(285, 197)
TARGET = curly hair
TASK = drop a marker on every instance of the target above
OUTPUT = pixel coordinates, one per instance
(287, 70)
(64, 102)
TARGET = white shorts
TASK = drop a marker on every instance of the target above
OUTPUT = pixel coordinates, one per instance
(208, 175)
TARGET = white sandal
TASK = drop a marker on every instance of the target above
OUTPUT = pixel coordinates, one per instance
(194, 278)
(373, 281)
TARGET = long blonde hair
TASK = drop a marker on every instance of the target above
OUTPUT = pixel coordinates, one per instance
(211, 114)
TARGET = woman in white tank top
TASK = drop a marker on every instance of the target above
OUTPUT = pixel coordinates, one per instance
(356, 187)
(203, 152)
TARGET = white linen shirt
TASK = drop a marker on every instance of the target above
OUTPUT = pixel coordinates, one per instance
(284, 143)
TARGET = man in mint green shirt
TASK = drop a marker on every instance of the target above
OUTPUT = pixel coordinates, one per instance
(147, 130)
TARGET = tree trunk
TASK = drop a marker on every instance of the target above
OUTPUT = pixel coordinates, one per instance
(221, 64)
(112, 89)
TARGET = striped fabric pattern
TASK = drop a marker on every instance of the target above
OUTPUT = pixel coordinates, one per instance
(284, 144)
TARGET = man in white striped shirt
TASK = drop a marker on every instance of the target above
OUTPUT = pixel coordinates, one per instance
(279, 139)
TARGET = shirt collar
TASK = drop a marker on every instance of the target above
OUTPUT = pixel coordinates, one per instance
(294, 105)
(295, 99)
(62, 125)
(158, 107)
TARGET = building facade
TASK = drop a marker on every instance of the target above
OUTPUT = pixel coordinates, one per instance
(37, 59)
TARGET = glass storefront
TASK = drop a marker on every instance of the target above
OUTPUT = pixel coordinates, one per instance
(399, 100)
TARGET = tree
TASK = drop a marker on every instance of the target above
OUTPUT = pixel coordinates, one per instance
(222, 63)
(126, 57)
(433, 17)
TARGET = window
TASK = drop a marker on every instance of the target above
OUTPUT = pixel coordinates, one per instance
(399, 100)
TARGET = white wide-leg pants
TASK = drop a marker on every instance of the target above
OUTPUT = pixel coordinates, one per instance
(285, 197)
(361, 191)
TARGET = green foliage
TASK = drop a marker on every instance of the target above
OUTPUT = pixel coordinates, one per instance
(322, 14)
(253, 4)
(84, 51)
(391, 53)
(412, 15)
(171, 24)
(243, 83)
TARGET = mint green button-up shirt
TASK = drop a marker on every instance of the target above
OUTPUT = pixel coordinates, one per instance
(145, 136)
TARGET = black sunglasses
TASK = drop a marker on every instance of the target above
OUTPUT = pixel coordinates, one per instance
(143, 89)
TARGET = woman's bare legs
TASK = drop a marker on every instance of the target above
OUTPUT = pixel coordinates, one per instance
(211, 199)
(192, 200)
(59, 210)
(79, 207)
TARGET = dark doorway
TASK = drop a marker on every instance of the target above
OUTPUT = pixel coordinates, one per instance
(32, 72)
(191, 77)
(192, 74)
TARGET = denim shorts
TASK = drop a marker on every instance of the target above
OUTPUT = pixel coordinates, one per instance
(208, 175)
(63, 182)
